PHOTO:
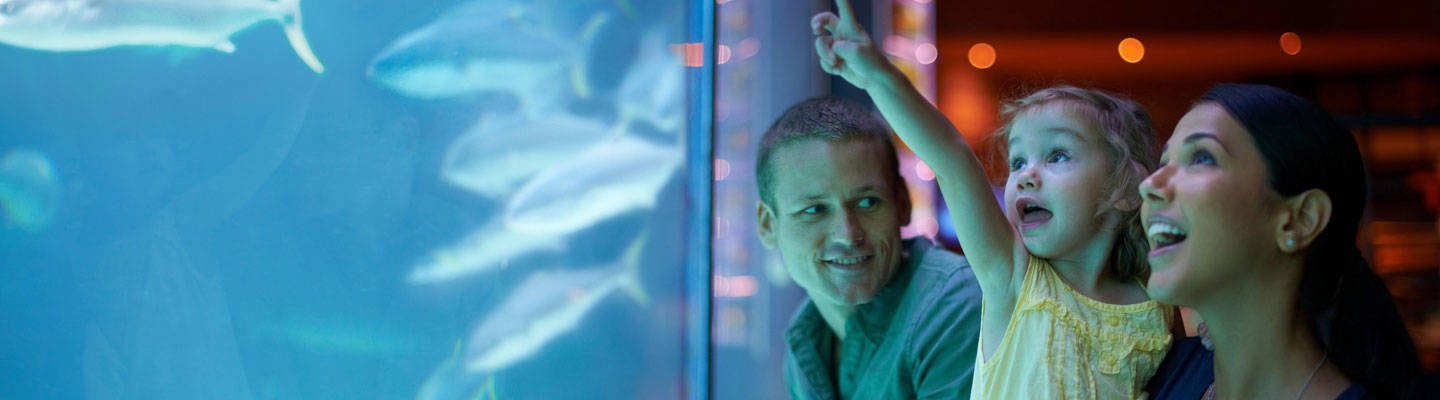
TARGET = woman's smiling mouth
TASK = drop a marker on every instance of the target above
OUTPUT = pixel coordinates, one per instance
(1164, 235)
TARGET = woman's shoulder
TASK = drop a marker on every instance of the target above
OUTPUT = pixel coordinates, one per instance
(1188, 369)
(1354, 392)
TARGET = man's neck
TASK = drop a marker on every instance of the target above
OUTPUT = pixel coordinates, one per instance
(834, 315)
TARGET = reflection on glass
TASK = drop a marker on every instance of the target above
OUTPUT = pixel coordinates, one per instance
(478, 199)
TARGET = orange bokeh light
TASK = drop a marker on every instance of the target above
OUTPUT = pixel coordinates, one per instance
(1131, 50)
(982, 55)
(1290, 43)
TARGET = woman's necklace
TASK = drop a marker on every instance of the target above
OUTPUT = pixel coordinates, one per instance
(1210, 391)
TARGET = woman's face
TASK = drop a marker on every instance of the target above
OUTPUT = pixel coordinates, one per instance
(1209, 211)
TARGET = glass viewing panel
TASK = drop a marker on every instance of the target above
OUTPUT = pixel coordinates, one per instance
(272, 199)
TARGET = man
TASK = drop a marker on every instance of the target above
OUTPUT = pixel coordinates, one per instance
(887, 318)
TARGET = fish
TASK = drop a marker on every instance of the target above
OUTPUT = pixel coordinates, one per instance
(81, 25)
(654, 89)
(546, 305)
(621, 174)
(495, 156)
(523, 49)
(487, 249)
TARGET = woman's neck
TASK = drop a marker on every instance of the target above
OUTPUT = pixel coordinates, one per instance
(1262, 350)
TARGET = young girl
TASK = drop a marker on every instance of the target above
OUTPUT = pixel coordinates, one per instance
(1060, 268)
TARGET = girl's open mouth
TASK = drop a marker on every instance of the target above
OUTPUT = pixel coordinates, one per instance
(1032, 215)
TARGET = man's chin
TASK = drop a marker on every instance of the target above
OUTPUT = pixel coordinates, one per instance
(853, 298)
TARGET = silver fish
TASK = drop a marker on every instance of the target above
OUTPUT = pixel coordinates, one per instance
(654, 89)
(487, 249)
(545, 306)
(496, 155)
(77, 25)
(488, 46)
(619, 175)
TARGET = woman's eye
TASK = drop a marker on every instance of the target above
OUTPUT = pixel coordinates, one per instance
(1059, 156)
(869, 202)
(1202, 157)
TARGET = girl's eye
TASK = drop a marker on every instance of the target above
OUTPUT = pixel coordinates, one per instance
(869, 202)
(1059, 156)
(1016, 164)
(1202, 157)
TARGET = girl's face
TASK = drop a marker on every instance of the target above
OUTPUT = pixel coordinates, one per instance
(1209, 210)
(1057, 193)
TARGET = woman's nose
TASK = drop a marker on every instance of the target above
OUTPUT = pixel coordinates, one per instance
(1156, 187)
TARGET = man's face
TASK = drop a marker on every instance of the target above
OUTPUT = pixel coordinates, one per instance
(836, 218)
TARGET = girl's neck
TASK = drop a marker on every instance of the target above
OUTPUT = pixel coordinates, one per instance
(1262, 349)
(1087, 270)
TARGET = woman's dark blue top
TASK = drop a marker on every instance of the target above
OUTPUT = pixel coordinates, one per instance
(1189, 369)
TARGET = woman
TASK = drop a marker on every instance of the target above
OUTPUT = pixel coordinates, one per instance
(1252, 218)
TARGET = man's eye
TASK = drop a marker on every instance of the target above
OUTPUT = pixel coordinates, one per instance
(869, 202)
(815, 209)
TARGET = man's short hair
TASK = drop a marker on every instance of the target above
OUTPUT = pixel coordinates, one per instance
(823, 118)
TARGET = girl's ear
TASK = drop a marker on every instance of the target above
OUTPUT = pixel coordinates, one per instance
(1126, 203)
(1125, 200)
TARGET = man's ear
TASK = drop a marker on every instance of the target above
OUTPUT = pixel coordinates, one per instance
(902, 200)
(765, 224)
(1306, 216)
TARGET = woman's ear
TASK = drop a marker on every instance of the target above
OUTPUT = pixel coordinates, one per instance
(765, 224)
(1306, 216)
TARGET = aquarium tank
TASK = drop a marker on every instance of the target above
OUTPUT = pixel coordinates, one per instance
(357, 199)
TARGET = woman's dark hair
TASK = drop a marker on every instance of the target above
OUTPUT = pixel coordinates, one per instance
(1349, 309)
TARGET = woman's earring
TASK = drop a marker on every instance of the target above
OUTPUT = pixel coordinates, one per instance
(1289, 243)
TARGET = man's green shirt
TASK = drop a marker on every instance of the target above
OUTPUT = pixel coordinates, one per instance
(916, 339)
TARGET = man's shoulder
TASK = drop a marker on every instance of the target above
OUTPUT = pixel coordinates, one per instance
(941, 271)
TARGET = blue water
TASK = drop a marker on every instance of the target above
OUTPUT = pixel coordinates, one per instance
(235, 226)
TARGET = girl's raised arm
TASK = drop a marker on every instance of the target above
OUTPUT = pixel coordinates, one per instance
(991, 244)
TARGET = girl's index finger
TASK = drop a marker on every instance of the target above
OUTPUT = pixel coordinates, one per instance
(847, 14)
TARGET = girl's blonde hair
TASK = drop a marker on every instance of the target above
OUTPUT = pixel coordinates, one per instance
(1127, 129)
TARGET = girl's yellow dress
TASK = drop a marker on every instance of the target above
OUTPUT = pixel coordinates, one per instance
(1063, 345)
